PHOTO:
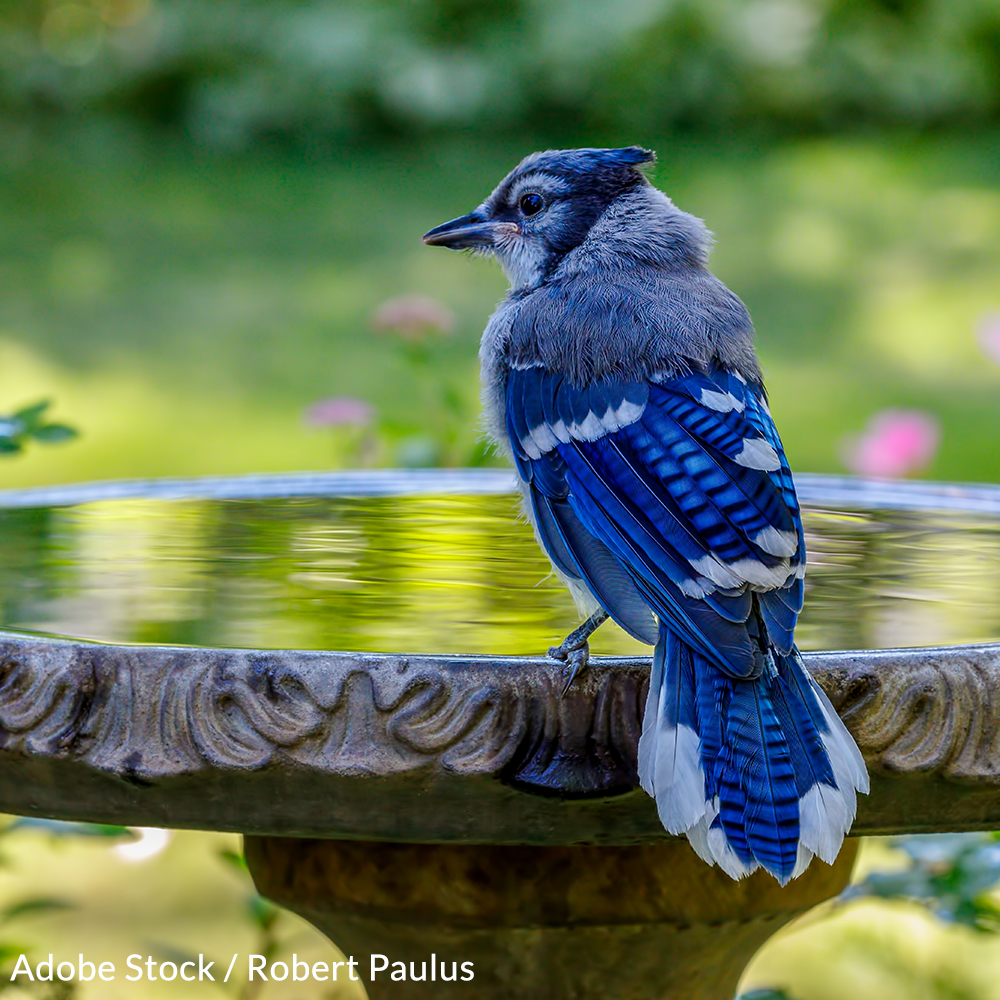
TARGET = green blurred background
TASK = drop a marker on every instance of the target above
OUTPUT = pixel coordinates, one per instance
(204, 205)
(209, 259)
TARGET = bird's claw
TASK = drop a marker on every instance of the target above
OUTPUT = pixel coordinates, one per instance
(575, 657)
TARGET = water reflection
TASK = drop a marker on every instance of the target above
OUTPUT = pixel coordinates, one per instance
(458, 574)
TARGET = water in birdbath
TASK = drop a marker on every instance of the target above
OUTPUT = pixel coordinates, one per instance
(438, 574)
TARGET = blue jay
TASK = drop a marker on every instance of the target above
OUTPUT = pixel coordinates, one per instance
(620, 378)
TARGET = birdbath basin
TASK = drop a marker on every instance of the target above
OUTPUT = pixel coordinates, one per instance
(345, 669)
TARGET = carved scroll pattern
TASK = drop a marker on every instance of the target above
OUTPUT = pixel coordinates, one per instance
(146, 713)
(931, 711)
(44, 703)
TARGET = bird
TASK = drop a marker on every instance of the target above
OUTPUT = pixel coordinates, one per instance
(619, 377)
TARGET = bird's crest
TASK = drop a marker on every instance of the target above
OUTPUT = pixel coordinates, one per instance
(587, 161)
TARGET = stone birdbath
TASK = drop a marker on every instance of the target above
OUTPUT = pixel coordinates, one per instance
(167, 661)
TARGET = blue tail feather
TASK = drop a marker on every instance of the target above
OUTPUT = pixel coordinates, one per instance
(757, 772)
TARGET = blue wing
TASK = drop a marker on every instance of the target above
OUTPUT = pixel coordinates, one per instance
(671, 495)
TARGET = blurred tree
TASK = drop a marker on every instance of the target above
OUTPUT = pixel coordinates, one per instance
(235, 71)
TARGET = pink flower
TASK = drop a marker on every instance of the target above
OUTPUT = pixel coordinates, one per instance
(413, 316)
(896, 443)
(989, 336)
(340, 411)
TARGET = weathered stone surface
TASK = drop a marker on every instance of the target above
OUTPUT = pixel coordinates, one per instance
(438, 749)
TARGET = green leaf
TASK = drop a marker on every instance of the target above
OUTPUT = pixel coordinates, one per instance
(106, 830)
(40, 905)
(54, 433)
(263, 913)
(64, 828)
(30, 416)
(9, 951)
(9, 446)
(235, 859)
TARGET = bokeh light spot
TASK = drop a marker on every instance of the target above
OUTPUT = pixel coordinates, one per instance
(72, 33)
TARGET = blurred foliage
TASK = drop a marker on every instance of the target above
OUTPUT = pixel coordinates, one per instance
(29, 424)
(190, 311)
(73, 891)
(264, 917)
(30, 906)
(952, 875)
(913, 928)
(234, 71)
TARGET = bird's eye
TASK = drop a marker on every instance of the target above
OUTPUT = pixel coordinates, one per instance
(531, 204)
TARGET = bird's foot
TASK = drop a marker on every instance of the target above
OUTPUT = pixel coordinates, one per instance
(574, 650)
(575, 655)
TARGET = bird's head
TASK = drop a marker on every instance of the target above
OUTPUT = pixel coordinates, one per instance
(544, 208)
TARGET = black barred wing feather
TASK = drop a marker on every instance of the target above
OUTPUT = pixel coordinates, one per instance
(672, 495)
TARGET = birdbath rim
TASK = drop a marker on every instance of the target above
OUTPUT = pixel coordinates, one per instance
(813, 488)
(435, 749)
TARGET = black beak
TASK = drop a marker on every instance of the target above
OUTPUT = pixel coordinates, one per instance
(470, 230)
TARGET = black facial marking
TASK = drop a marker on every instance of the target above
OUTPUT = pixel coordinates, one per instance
(564, 192)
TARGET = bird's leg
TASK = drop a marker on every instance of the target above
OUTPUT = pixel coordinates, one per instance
(574, 650)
